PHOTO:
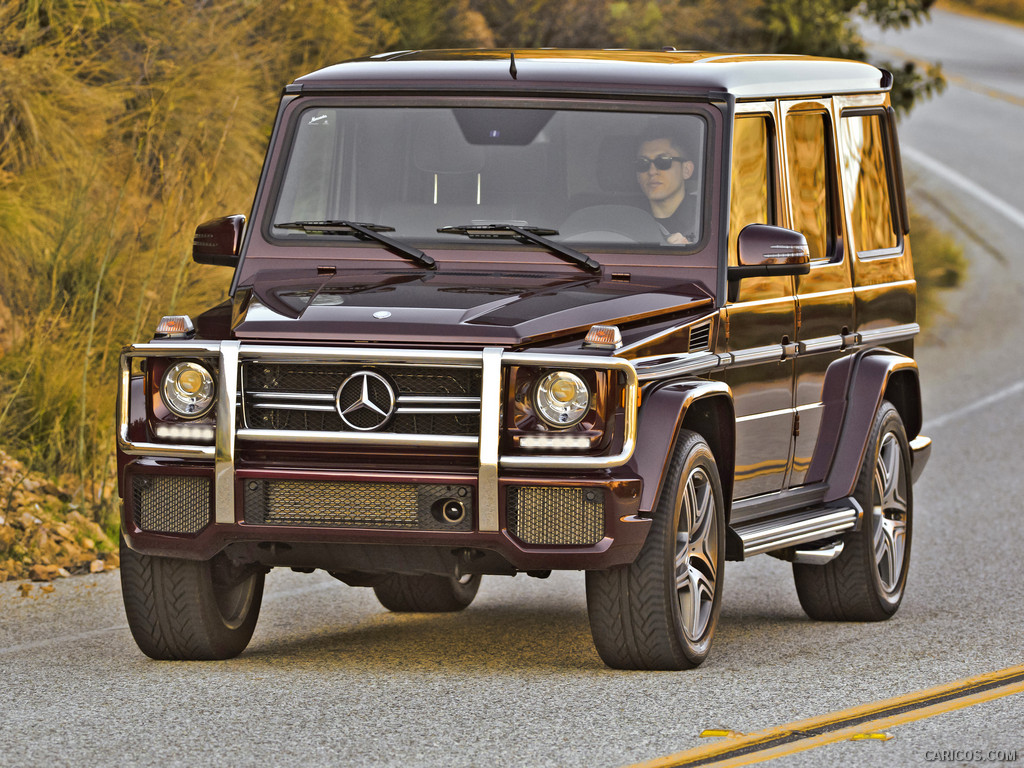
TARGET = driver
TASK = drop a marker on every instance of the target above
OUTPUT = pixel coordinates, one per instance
(662, 168)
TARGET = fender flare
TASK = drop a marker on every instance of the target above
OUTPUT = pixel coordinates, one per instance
(664, 412)
(869, 378)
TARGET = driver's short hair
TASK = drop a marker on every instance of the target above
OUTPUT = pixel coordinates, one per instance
(667, 128)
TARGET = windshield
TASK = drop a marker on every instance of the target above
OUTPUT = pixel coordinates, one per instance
(599, 180)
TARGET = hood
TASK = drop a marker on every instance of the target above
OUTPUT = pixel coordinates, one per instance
(470, 308)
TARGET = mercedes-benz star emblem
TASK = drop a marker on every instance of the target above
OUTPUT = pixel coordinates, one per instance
(365, 401)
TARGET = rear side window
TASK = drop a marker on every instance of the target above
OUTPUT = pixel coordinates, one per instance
(811, 174)
(751, 196)
(866, 187)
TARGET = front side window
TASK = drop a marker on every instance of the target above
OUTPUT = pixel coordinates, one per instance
(866, 184)
(590, 179)
(751, 192)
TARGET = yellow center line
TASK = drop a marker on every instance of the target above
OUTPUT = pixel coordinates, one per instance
(912, 706)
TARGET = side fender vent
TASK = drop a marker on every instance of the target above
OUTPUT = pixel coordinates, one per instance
(700, 338)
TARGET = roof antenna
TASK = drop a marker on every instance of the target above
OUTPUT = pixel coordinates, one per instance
(512, 65)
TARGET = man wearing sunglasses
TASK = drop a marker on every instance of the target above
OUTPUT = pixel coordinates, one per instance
(662, 168)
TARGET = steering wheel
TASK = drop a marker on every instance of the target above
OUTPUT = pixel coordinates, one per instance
(611, 224)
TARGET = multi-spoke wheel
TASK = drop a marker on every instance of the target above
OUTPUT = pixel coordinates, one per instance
(866, 582)
(697, 555)
(660, 612)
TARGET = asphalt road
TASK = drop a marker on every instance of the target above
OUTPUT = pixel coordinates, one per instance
(330, 678)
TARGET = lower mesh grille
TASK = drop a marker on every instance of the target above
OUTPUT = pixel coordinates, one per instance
(355, 505)
(545, 515)
(171, 504)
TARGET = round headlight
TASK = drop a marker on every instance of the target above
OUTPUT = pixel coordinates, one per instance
(562, 399)
(188, 390)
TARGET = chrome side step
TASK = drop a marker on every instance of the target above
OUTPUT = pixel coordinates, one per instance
(798, 528)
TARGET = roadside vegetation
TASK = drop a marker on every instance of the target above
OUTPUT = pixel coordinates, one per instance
(1011, 10)
(124, 123)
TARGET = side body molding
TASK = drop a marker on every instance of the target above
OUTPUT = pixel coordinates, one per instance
(663, 413)
(853, 392)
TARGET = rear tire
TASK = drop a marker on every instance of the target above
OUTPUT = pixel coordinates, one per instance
(426, 593)
(660, 612)
(867, 581)
(189, 609)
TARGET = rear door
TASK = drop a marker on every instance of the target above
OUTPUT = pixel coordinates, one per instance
(824, 296)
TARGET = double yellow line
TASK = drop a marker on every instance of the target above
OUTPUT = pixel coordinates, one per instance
(865, 721)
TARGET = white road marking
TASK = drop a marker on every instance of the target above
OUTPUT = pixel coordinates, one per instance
(977, 405)
(977, 192)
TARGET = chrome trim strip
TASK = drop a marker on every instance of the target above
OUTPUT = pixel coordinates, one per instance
(332, 409)
(296, 407)
(668, 366)
(890, 334)
(320, 397)
(490, 434)
(227, 408)
(355, 438)
(442, 411)
(438, 399)
(779, 412)
(821, 344)
(754, 355)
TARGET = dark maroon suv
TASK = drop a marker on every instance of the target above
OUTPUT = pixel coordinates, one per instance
(632, 313)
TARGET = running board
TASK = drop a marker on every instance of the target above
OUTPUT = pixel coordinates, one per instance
(797, 528)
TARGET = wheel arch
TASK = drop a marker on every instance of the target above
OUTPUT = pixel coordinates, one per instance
(876, 375)
(704, 407)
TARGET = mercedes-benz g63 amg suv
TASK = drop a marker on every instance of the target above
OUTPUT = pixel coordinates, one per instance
(494, 312)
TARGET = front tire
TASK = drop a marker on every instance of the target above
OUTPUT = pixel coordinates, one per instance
(660, 612)
(427, 593)
(867, 581)
(189, 609)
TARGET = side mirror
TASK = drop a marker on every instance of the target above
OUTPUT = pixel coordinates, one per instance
(765, 251)
(219, 241)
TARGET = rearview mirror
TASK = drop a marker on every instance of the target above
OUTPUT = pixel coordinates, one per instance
(765, 250)
(219, 241)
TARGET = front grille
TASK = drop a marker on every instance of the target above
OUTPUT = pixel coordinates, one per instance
(171, 504)
(303, 397)
(553, 515)
(395, 506)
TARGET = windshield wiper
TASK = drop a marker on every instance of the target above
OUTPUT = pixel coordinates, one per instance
(535, 235)
(363, 231)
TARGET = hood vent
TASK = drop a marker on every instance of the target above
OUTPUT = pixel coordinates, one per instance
(700, 337)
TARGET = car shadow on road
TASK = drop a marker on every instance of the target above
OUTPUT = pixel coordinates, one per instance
(498, 638)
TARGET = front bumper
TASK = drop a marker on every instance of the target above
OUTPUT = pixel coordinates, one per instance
(494, 490)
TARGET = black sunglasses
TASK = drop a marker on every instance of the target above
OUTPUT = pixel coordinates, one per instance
(661, 162)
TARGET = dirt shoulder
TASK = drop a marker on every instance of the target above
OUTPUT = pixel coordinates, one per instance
(43, 534)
